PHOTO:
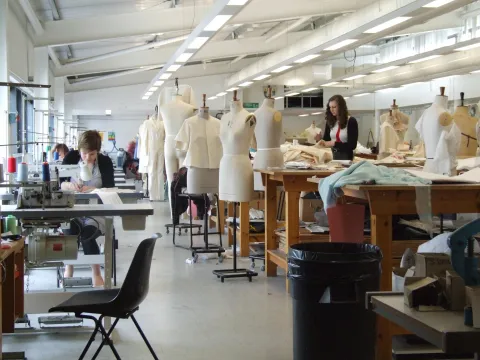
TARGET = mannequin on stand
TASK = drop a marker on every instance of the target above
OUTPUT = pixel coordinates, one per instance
(389, 138)
(400, 120)
(440, 135)
(313, 132)
(199, 137)
(236, 172)
(268, 132)
(174, 108)
(467, 126)
(156, 158)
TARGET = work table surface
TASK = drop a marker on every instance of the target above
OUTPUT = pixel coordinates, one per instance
(79, 211)
(85, 196)
(14, 247)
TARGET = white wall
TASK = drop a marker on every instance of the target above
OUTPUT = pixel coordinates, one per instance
(125, 129)
(20, 49)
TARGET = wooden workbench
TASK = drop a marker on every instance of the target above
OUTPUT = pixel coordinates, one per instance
(11, 288)
(388, 200)
(294, 182)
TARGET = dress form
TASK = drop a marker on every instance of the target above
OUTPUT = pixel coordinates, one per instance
(312, 131)
(156, 158)
(398, 119)
(236, 171)
(200, 136)
(174, 114)
(389, 138)
(467, 126)
(268, 133)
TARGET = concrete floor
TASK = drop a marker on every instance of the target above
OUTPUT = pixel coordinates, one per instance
(188, 314)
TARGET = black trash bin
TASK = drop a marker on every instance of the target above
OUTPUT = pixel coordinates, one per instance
(328, 282)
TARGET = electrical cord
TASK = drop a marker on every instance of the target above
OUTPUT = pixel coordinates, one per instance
(353, 59)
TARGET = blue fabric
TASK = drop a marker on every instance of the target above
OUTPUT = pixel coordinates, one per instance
(364, 172)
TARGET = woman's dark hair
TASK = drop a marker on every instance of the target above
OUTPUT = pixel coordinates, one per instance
(61, 147)
(342, 112)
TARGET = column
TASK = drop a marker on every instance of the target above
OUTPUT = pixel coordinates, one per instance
(41, 106)
(60, 109)
(4, 94)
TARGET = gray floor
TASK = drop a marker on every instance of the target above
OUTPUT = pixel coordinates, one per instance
(188, 314)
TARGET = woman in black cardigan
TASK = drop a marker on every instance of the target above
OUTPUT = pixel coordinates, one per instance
(89, 229)
(341, 131)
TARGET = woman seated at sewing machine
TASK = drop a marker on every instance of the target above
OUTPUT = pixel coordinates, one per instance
(101, 168)
(61, 150)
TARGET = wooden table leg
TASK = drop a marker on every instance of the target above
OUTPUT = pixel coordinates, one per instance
(8, 295)
(382, 237)
(270, 223)
(292, 219)
(244, 229)
(19, 284)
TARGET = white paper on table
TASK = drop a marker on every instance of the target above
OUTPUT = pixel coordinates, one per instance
(472, 176)
(109, 197)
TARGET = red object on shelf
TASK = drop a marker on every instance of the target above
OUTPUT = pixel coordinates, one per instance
(346, 223)
(11, 165)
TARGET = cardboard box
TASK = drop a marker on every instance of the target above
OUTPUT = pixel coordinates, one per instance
(422, 292)
(430, 264)
(455, 290)
(308, 207)
(473, 300)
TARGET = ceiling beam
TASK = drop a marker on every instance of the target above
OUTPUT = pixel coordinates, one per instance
(211, 50)
(73, 31)
(32, 17)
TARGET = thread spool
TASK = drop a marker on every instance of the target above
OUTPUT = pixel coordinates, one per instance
(11, 165)
(56, 155)
(45, 172)
(10, 223)
(22, 172)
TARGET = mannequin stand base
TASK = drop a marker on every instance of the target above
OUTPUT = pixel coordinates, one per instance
(234, 273)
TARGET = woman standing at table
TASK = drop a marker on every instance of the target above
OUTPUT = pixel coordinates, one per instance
(341, 131)
(101, 167)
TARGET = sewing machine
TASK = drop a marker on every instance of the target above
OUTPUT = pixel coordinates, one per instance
(46, 195)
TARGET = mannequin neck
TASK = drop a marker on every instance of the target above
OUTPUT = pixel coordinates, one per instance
(313, 126)
(441, 100)
(269, 102)
(203, 113)
(462, 110)
(236, 106)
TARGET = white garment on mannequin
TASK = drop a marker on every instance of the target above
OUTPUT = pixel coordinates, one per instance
(312, 131)
(268, 133)
(142, 148)
(174, 114)
(399, 121)
(389, 138)
(445, 160)
(236, 172)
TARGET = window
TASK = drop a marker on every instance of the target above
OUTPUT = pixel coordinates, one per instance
(312, 99)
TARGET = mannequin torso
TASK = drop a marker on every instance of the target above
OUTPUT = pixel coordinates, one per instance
(236, 172)
(466, 124)
(312, 131)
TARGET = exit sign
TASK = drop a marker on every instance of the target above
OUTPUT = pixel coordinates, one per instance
(250, 105)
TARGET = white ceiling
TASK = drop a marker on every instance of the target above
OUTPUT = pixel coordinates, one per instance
(79, 29)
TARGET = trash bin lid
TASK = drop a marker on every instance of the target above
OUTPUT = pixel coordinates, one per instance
(335, 252)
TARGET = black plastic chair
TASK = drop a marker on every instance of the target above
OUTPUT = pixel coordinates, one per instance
(116, 303)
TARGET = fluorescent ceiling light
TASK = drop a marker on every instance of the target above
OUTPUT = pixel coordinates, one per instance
(261, 77)
(330, 83)
(354, 77)
(217, 22)
(198, 42)
(212, 98)
(145, 98)
(424, 59)
(346, 97)
(153, 88)
(148, 93)
(237, 2)
(184, 57)
(414, 83)
(292, 94)
(340, 44)
(437, 3)
(165, 76)
(468, 47)
(281, 68)
(385, 69)
(385, 90)
(223, 93)
(309, 89)
(232, 89)
(307, 58)
(108, 112)
(362, 94)
(246, 83)
(387, 24)
(317, 113)
(159, 83)
(281, 97)
(475, 72)
(174, 67)
(304, 115)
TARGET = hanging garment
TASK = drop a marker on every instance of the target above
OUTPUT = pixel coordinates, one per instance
(143, 148)
(445, 160)
(200, 138)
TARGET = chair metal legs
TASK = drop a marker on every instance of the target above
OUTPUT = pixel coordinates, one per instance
(144, 337)
(106, 336)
